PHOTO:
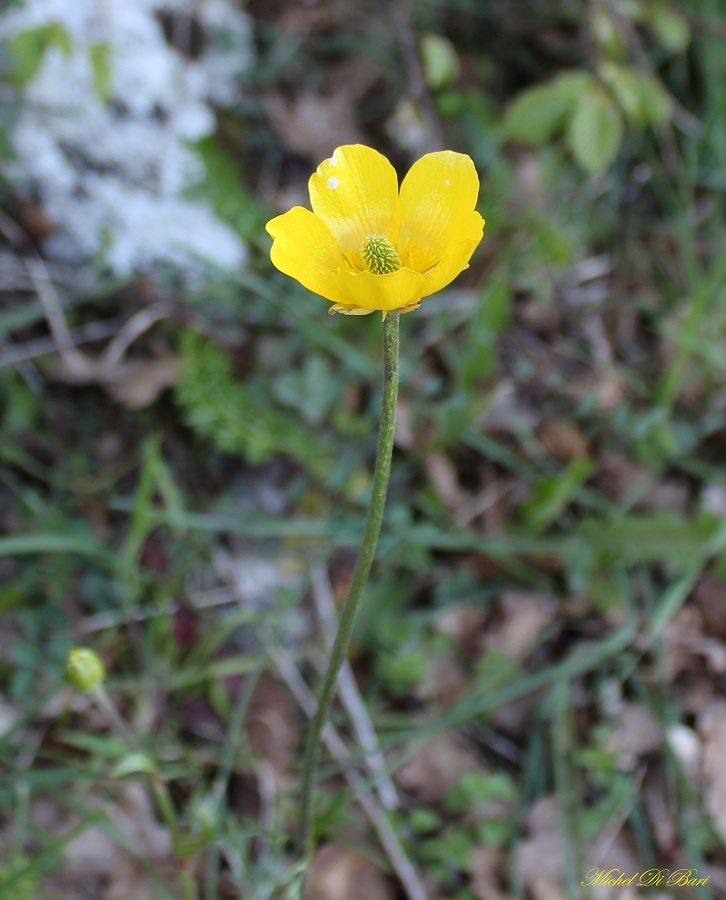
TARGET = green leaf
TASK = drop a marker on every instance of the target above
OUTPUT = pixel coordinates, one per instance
(631, 9)
(670, 27)
(573, 82)
(663, 537)
(606, 33)
(50, 542)
(537, 114)
(595, 131)
(439, 61)
(477, 788)
(622, 82)
(540, 111)
(134, 764)
(655, 101)
(27, 49)
(100, 55)
(641, 97)
(552, 494)
(475, 358)
(234, 414)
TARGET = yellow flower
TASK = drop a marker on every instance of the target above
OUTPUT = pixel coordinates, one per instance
(366, 247)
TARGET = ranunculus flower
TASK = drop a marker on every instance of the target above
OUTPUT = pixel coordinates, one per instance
(366, 247)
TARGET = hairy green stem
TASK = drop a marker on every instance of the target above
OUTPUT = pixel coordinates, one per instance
(360, 576)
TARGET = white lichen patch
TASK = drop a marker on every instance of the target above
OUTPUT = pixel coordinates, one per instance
(112, 171)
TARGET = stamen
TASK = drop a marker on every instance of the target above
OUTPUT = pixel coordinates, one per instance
(379, 255)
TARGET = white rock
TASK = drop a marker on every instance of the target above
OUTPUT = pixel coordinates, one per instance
(112, 174)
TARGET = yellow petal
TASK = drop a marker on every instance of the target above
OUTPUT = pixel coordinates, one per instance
(454, 261)
(305, 249)
(438, 197)
(367, 291)
(355, 193)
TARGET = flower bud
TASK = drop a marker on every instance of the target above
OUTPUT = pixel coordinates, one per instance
(84, 669)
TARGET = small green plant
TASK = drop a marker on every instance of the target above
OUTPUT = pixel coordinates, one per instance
(485, 799)
(227, 412)
(21, 879)
(591, 108)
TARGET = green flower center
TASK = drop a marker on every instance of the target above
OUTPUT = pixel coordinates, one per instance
(379, 255)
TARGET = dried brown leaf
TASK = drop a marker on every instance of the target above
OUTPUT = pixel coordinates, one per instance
(445, 481)
(692, 658)
(660, 806)
(563, 441)
(130, 879)
(542, 858)
(540, 854)
(436, 768)
(313, 125)
(337, 872)
(712, 726)
(461, 622)
(710, 597)
(133, 815)
(524, 615)
(140, 382)
(684, 630)
(272, 724)
(609, 391)
(487, 873)
(514, 718)
(637, 733)
(445, 680)
(618, 476)
(116, 869)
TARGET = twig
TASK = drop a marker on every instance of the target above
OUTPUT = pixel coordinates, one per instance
(266, 787)
(404, 869)
(15, 354)
(140, 322)
(72, 358)
(78, 365)
(14, 275)
(350, 696)
(208, 599)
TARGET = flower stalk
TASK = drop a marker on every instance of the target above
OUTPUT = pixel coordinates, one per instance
(339, 650)
(85, 672)
(158, 788)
